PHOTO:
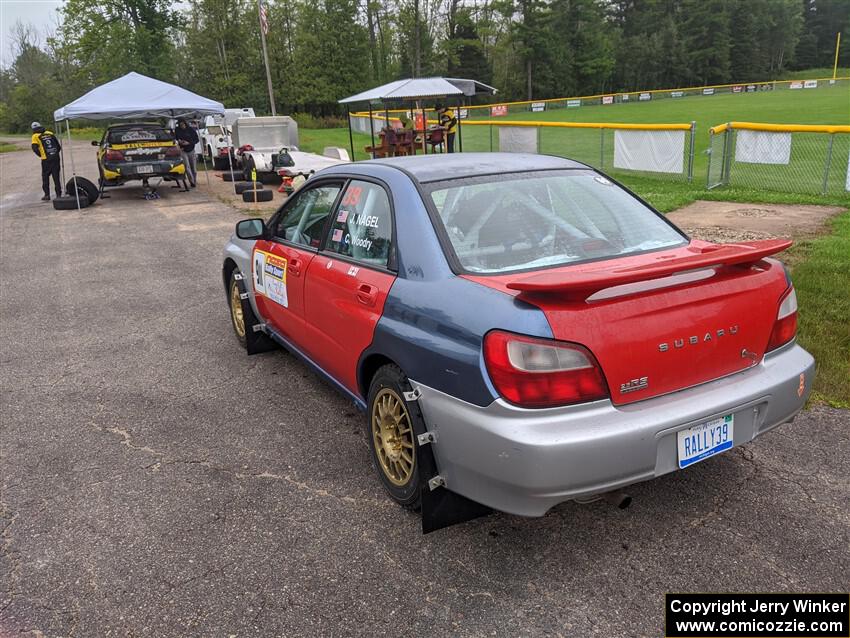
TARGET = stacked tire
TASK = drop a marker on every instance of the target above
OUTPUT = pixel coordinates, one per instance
(80, 193)
(256, 195)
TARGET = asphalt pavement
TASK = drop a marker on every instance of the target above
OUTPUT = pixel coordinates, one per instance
(156, 481)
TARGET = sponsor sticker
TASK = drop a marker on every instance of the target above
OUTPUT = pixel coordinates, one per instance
(270, 276)
(342, 215)
(337, 236)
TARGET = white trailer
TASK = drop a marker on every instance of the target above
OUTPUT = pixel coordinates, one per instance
(261, 141)
(215, 136)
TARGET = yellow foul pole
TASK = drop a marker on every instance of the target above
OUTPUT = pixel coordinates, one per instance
(835, 66)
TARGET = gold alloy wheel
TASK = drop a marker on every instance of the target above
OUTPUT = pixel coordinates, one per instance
(236, 311)
(392, 434)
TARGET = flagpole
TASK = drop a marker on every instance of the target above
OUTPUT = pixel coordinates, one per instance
(265, 55)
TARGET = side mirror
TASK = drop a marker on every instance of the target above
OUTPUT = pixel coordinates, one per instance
(95, 143)
(251, 228)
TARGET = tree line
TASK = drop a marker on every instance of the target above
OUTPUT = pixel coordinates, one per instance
(323, 50)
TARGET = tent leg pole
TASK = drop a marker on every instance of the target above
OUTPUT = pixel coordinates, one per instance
(459, 128)
(350, 136)
(372, 130)
(56, 127)
(73, 168)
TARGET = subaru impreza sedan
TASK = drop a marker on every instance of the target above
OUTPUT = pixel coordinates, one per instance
(519, 330)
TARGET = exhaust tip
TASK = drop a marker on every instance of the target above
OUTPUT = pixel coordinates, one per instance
(620, 500)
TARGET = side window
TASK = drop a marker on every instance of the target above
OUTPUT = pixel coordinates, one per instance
(363, 226)
(303, 219)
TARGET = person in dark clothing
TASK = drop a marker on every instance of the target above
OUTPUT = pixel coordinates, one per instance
(187, 138)
(46, 146)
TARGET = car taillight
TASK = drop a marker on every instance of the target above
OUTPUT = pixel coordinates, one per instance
(172, 151)
(114, 155)
(542, 373)
(785, 327)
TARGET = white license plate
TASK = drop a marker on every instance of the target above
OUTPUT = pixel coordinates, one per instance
(706, 439)
(145, 168)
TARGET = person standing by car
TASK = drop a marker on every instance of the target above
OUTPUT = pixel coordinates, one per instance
(187, 138)
(449, 122)
(47, 148)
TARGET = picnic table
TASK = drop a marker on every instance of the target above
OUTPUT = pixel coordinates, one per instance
(396, 142)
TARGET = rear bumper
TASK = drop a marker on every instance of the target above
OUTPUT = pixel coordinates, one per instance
(526, 461)
(130, 170)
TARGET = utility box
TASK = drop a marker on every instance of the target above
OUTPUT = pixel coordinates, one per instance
(266, 133)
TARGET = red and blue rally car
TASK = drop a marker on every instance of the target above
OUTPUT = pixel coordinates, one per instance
(519, 329)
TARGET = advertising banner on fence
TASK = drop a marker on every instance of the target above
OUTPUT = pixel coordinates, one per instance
(847, 184)
(463, 114)
(795, 85)
(607, 99)
(810, 84)
(498, 111)
(518, 139)
(645, 96)
(537, 107)
(677, 94)
(762, 147)
(625, 97)
(653, 151)
(572, 104)
(737, 89)
(708, 91)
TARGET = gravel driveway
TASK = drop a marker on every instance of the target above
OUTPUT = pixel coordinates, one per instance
(156, 481)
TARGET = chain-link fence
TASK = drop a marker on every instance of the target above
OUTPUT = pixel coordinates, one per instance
(662, 151)
(780, 157)
(522, 109)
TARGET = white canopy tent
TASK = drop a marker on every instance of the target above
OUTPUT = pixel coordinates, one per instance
(135, 96)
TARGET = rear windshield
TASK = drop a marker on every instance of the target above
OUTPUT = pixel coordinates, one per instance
(141, 134)
(521, 221)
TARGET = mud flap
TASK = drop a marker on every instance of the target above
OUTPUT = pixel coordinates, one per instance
(256, 341)
(442, 508)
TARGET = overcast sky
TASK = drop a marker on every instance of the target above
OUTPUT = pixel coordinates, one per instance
(41, 14)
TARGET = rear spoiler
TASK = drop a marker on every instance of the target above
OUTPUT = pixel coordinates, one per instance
(583, 284)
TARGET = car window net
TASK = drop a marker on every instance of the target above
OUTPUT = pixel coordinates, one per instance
(517, 222)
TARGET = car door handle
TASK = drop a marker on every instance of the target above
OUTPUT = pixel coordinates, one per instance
(294, 267)
(366, 294)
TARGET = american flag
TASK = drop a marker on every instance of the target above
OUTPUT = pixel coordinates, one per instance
(264, 18)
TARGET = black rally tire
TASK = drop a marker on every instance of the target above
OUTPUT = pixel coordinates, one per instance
(240, 187)
(69, 202)
(391, 381)
(231, 176)
(85, 186)
(261, 196)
